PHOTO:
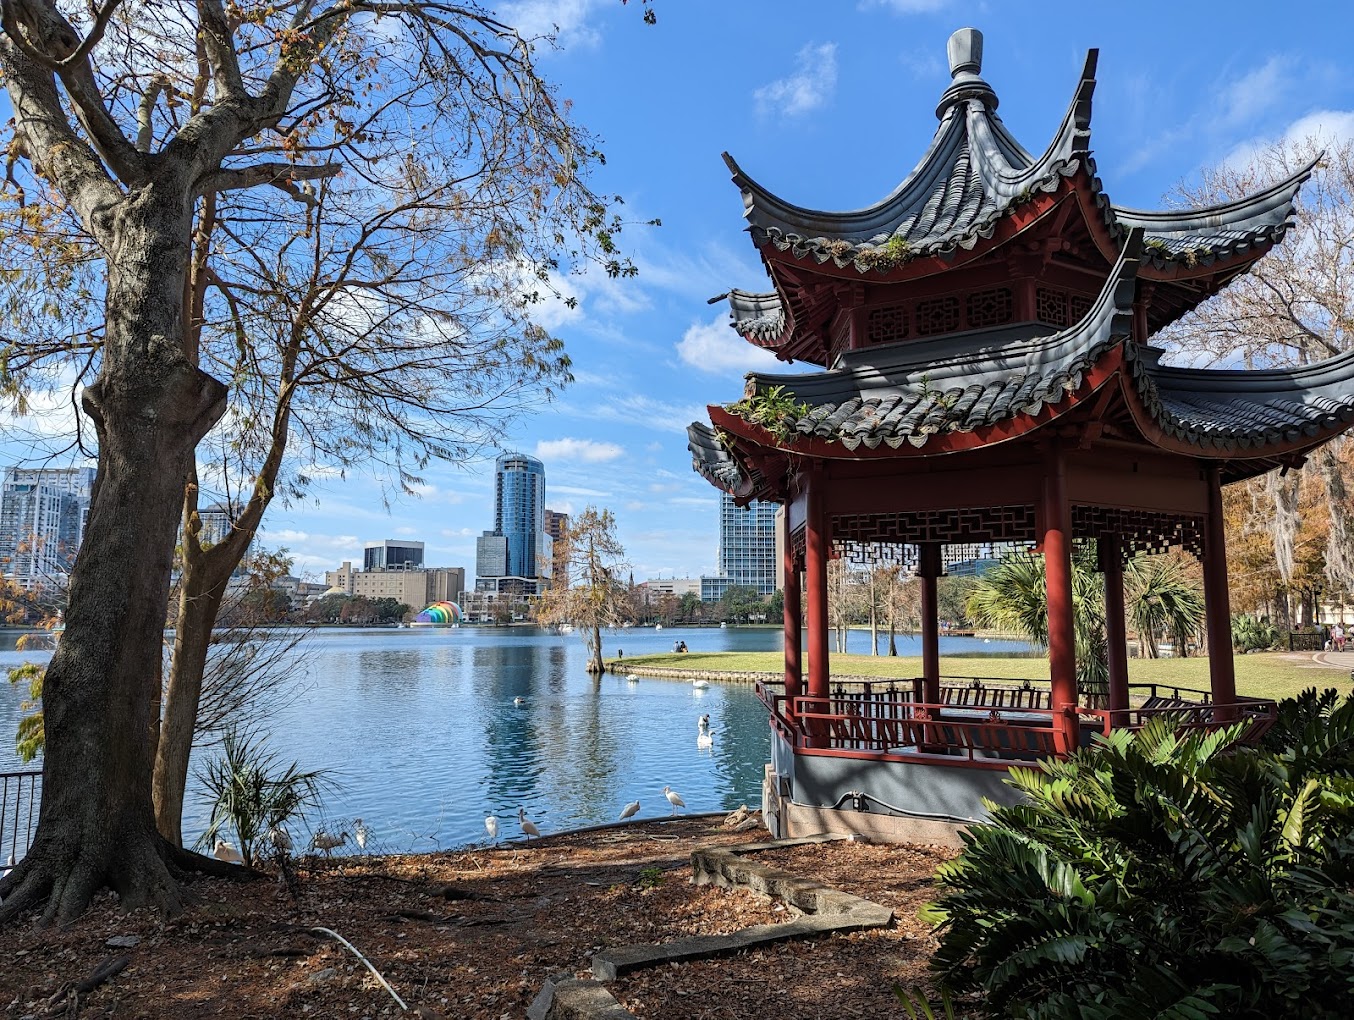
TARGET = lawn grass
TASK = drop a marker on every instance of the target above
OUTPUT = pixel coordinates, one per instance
(1267, 675)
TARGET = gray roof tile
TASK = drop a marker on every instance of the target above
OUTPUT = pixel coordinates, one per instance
(974, 173)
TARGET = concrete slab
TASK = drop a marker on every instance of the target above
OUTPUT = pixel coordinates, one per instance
(826, 911)
(565, 997)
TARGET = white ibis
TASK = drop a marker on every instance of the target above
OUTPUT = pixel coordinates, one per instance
(279, 839)
(630, 810)
(674, 798)
(327, 841)
(225, 852)
(491, 826)
(361, 833)
(528, 826)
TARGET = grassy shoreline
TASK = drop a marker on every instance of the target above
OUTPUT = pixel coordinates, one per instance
(1266, 675)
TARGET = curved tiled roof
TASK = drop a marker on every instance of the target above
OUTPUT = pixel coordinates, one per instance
(759, 317)
(974, 173)
(906, 394)
(1239, 410)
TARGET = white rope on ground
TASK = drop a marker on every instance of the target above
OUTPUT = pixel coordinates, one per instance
(379, 976)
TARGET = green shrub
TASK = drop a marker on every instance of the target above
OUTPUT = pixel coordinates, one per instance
(1166, 875)
(1252, 635)
(254, 796)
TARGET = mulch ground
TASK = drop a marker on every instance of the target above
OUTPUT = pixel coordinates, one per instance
(475, 933)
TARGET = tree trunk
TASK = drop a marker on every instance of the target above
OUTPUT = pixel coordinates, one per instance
(150, 408)
(595, 659)
(201, 590)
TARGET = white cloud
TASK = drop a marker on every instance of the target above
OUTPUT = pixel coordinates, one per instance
(585, 450)
(1254, 93)
(566, 507)
(639, 411)
(577, 490)
(713, 347)
(1327, 127)
(809, 88)
(568, 20)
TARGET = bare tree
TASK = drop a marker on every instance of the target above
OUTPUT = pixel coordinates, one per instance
(143, 142)
(590, 593)
(1296, 305)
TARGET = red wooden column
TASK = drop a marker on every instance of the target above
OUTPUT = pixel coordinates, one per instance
(1116, 639)
(1062, 642)
(815, 583)
(1218, 603)
(794, 671)
(928, 569)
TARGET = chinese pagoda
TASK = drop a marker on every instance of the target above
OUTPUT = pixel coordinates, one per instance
(984, 335)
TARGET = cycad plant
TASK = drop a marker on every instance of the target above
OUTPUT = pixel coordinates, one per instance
(1169, 875)
(254, 794)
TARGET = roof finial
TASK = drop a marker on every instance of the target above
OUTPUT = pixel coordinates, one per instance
(966, 61)
(966, 52)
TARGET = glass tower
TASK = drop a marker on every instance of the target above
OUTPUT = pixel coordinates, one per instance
(521, 562)
(747, 549)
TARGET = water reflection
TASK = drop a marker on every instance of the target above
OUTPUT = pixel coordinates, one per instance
(423, 733)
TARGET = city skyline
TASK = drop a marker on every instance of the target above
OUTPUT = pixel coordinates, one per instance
(834, 115)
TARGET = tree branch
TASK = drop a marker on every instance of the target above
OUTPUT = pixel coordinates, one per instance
(280, 175)
(38, 31)
(62, 154)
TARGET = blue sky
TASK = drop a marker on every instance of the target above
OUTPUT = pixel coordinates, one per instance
(829, 103)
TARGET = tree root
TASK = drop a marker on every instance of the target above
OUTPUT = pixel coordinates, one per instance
(68, 995)
(144, 870)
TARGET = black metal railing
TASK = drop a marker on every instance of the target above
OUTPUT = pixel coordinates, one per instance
(20, 797)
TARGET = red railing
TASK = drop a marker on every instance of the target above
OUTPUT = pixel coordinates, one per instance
(988, 719)
(1257, 715)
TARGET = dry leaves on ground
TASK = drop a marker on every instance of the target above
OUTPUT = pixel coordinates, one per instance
(475, 933)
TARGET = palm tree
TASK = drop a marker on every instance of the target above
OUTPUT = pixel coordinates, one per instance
(1013, 596)
(1162, 599)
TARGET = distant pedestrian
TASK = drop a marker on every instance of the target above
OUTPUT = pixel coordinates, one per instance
(1337, 634)
(620, 653)
(676, 646)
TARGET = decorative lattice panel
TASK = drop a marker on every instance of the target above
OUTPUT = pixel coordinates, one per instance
(990, 307)
(1142, 531)
(1077, 308)
(937, 315)
(957, 557)
(884, 325)
(982, 524)
(1050, 306)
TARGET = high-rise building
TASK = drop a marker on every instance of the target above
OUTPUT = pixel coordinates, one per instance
(747, 549)
(520, 563)
(556, 524)
(392, 554)
(43, 512)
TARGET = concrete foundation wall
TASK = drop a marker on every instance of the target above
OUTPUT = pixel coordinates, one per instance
(882, 800)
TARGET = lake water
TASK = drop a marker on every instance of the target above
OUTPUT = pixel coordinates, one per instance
(421, 730)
